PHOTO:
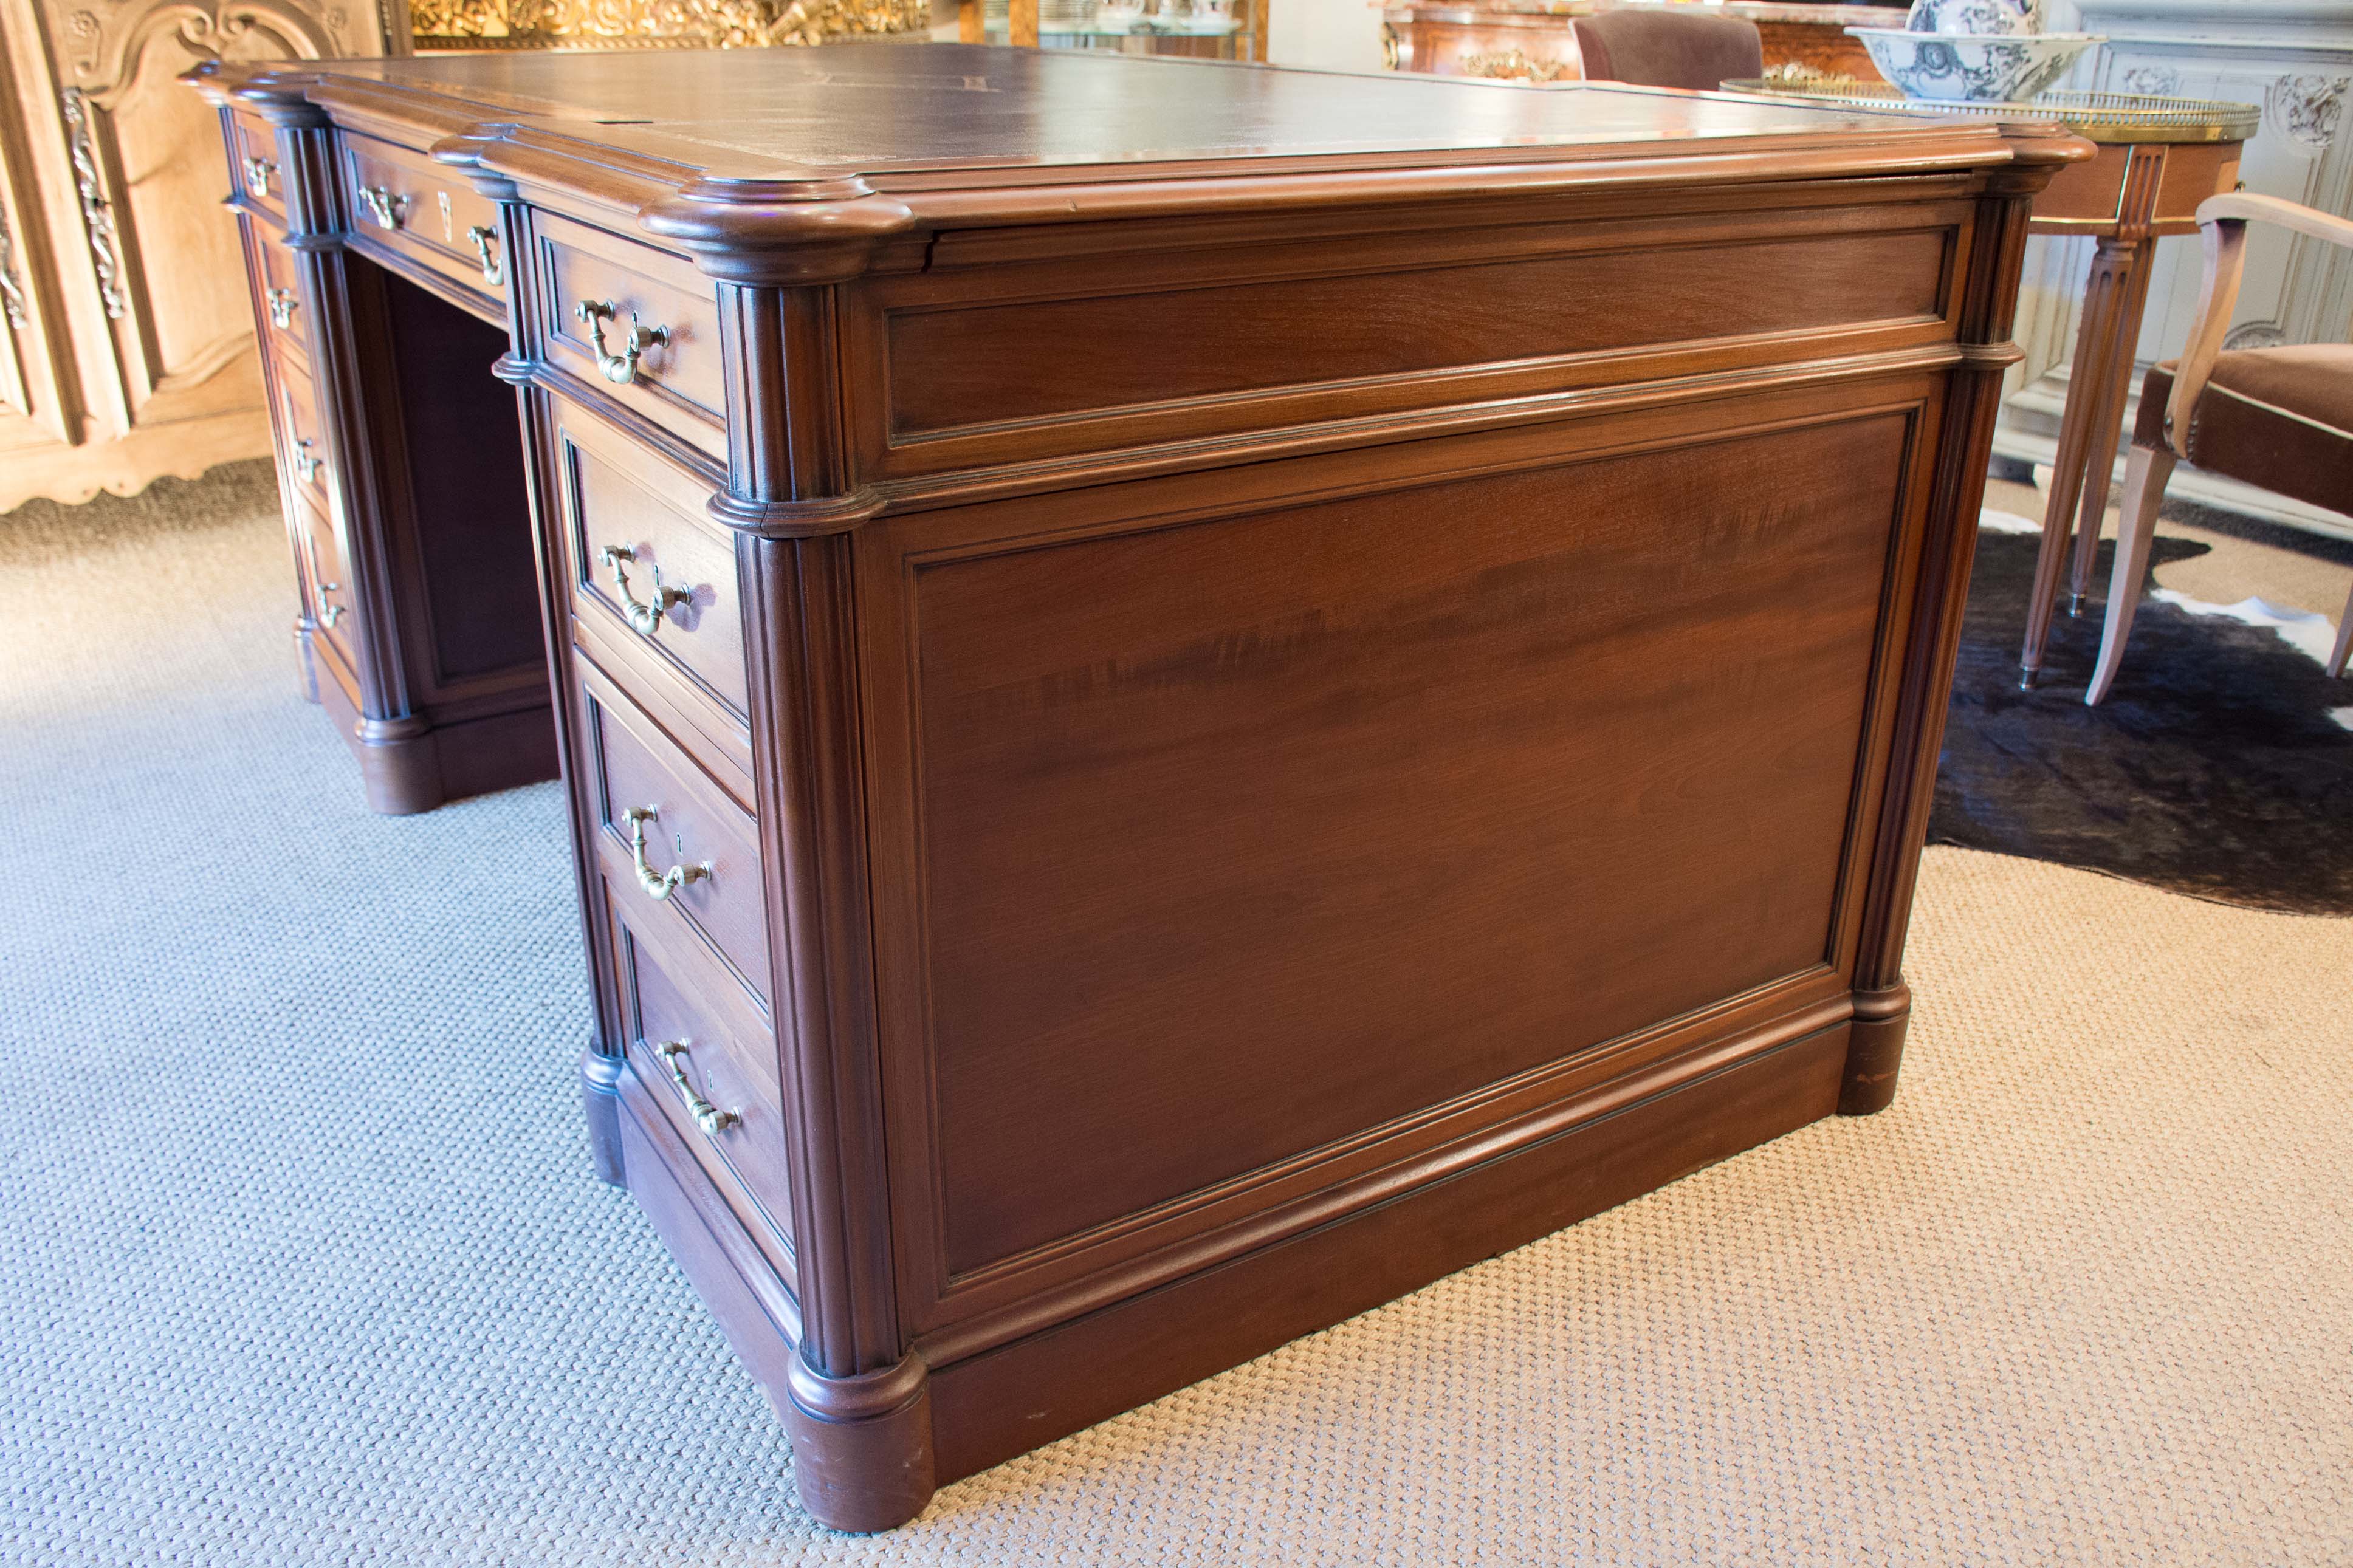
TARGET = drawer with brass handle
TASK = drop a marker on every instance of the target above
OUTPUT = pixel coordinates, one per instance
(328, 582)
(300, 431)
(638, 324)
(673, 844)
(281, 292)
(253, 150)
(654, 596)
(407, 208)
(707, 1060)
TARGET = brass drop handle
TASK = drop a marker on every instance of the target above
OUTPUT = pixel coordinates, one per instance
(647, 618)
(707, 1116)
(386, 208)
(305, 464)
(257, 170)
(282, 308)
(486, 249)
(657, 884)
(329, 614)
(620, 369)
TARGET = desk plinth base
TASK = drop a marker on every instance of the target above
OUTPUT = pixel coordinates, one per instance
(406, 767)
(931, 1425)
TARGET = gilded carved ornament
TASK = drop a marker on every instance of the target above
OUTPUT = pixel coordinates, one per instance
(639, 24)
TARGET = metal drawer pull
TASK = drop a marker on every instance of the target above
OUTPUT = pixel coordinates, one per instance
(707, 1116)
(657, 884)
(304, 463)
(647, 618)
(620, 369)
(282, 308)
(329, 614)
(257, 170)
(486, 247)
(386, 208)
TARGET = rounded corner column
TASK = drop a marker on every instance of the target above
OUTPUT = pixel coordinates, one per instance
(1875, 1050)
(862, 1458)
(600, 1105)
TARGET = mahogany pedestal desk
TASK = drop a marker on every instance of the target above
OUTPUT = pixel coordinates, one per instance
(1191, 695)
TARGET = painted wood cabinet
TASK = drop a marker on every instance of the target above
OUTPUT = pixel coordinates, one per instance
(128, 350)
(2294, 59)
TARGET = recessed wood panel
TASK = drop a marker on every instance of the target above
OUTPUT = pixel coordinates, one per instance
(427, 214)
(280, 276)
(730, 1059)
(299, 430)
(678, 382)
(1245, 835)
(632, 765)
(991, 364)
(619, 497)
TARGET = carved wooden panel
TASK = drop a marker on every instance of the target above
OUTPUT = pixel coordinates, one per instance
(125, 270)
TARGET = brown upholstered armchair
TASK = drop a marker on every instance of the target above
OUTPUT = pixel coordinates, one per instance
(1668, 49)
(2281, 419)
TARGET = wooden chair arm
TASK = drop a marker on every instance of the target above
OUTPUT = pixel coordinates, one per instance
(2223, 227)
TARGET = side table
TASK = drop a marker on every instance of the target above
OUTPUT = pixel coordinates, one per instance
(2157, 159)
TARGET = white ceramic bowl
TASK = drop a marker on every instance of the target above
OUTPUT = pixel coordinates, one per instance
(1966, 68)
(1986, 17)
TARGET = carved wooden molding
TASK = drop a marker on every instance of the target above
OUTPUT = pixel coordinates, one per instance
(12, 286)
(96, 212)
(103, 58)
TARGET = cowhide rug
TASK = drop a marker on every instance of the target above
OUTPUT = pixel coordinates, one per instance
(2221, 765)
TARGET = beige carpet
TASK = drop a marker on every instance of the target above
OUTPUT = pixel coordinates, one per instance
(300, 1261)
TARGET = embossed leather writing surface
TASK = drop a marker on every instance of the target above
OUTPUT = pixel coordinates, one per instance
(875, 108)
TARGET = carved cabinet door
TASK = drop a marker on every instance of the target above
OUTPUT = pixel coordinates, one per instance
(135, 294)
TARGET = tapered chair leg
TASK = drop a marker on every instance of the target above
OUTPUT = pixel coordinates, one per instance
(2145, 477)
(2344, 639)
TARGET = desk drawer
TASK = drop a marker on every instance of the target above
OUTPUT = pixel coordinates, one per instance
(282, 306)
(329, 576)
(726, 1057)
(253, 150)
(597, 285)
(424, 212)
(299, 432)
(706, 843)
(663, 619)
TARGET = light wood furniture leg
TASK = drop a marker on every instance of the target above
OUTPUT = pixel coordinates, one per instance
(2344, 639)
(2145, 477)
(2107, 426)
(2114, 298)
(2104, 301)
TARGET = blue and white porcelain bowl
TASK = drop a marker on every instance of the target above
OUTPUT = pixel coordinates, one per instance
(1984, 18)
(1956, 68)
